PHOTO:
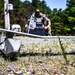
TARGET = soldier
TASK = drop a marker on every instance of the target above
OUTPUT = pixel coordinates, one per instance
(36, 19)
(40, 20)
(47, 25)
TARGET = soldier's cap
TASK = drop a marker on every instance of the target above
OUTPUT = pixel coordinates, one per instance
(37, 10)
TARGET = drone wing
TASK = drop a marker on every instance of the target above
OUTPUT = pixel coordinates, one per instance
(20, 33)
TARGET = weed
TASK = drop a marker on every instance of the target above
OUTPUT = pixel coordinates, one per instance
(63, 50)
(22, 67)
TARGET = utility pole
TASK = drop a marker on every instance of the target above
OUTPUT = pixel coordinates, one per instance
(6, 14)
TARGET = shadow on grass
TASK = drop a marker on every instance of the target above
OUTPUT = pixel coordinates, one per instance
(44, 54)
(11, 58)
(34, 54)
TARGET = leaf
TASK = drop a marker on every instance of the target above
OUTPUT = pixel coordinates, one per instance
(71, 19)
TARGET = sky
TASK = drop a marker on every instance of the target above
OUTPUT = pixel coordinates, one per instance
(54, 3)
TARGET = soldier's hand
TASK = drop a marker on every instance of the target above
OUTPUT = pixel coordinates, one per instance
(45, 27)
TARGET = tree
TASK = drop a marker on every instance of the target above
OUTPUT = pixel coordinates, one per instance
(57, 23)
(70, 16)
(35, 4)
(1, 14)
(70, 3)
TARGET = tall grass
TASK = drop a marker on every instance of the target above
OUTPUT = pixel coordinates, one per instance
(63, 50)
(22, 67)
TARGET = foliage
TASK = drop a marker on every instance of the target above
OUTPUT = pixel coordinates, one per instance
(1, 13)
(35, 4)
(63, 21)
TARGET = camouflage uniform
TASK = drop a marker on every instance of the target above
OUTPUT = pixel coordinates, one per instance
(47, 25)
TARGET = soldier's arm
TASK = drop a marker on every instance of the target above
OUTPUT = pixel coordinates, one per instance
(41, 14)
(49, 22)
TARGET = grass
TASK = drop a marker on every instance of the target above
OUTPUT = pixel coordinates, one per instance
(63, 51)
(44, 58)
